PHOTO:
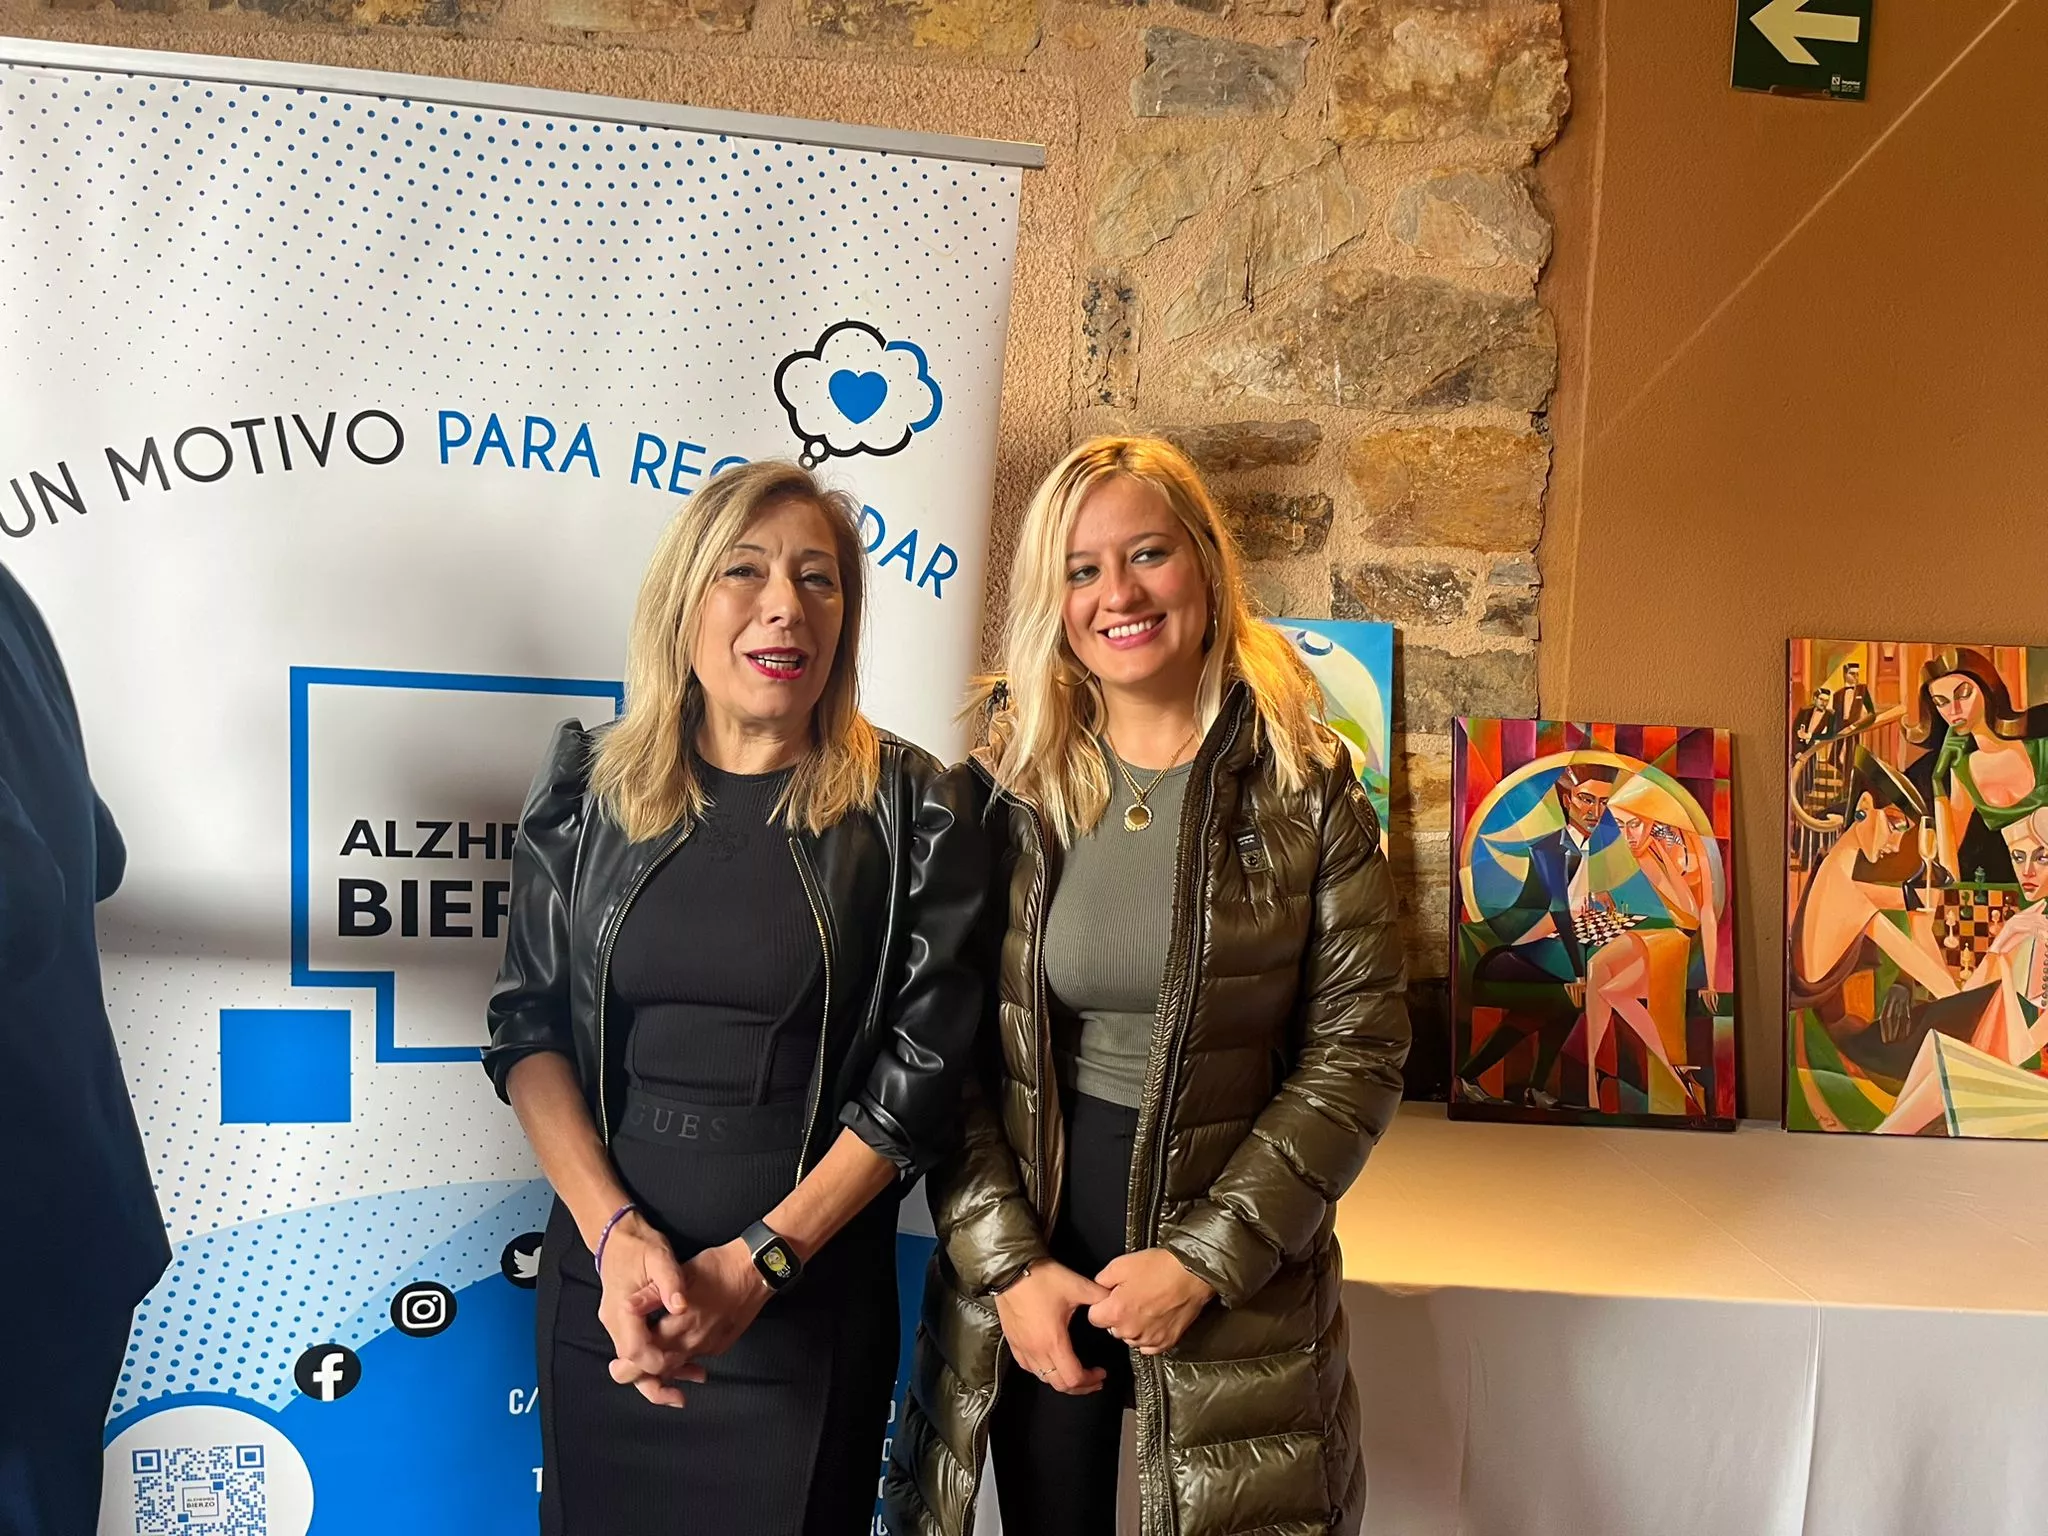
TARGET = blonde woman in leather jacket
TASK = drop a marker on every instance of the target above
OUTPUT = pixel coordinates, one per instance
(734, 1011)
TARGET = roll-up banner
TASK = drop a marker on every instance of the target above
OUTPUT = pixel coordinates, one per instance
(341, 413)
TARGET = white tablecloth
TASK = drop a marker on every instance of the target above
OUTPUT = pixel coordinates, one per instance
(1499, 1413)
(1657, 1332)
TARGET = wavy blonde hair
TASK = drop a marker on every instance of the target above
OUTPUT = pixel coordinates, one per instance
(1046, 711)
(643, 771)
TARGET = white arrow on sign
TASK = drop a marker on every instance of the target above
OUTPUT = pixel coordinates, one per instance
(1786, 22)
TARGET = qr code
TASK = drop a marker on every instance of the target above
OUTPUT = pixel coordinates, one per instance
(199, 1491)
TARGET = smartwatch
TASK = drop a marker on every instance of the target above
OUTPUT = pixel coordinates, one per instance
(773, 1255)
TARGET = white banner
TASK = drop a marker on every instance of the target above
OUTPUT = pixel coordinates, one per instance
(341, 413)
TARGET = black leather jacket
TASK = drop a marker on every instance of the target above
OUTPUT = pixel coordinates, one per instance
(897, 891)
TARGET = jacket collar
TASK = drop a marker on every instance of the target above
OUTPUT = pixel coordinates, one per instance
(1229, 745)
(1232, 741)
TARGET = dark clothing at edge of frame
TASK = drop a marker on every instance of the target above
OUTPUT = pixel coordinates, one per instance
(68, 1138)
(56, 1380)
(1286, 982)
(786, 1435)
(77, 1190)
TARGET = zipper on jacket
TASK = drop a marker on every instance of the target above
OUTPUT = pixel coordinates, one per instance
(803, 875)
(1177, 1034)
(1141, 1221)
(1041, 1030)
(604, 973)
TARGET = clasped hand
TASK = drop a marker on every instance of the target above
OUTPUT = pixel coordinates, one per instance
(664, 1316)
(1146, 1300)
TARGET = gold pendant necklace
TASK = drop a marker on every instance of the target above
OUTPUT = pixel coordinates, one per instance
(1138, 815)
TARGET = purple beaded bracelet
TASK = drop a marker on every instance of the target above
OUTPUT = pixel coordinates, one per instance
(597, 1257)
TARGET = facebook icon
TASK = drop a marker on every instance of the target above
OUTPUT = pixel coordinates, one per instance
(328, 1371)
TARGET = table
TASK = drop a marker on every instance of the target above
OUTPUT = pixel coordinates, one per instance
(1590, 1331)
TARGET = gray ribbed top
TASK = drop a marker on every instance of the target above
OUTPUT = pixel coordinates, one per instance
(1106, 939)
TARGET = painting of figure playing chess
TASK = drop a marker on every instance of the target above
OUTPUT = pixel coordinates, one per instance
(1592, 928)
(1916, 866)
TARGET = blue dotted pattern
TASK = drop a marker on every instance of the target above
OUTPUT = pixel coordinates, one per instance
(239, 1305)
(518, 249)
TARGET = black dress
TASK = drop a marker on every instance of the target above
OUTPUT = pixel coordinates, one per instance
(717, 975)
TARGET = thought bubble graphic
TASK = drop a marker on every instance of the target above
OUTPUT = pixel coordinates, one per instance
(856, 392)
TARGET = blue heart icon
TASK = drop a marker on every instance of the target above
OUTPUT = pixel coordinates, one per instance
(858, 395)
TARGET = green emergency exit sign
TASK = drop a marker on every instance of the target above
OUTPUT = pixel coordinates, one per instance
(1803, 47)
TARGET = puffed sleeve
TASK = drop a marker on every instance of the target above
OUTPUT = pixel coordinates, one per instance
(1310, 1142)
(985, 1221)
(908, 1110)
(529, 1008)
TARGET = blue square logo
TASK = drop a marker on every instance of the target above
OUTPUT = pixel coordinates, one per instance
(284, 1066)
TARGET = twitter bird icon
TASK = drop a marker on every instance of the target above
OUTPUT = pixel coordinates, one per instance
(521, 1260)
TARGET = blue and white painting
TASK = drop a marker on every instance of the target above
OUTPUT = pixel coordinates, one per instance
(1354, 663)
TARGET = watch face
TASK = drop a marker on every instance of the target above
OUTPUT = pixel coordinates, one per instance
(776, 1260)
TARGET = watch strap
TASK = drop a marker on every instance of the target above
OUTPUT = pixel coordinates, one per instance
(1012, 1278)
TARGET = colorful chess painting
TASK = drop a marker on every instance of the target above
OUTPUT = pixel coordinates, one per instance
(1916, 896)
(1354, 663)
(1592, 925)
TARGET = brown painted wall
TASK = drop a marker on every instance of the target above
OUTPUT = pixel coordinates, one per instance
(1805, 370)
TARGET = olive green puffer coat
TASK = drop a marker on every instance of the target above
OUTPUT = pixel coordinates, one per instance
(1276, 1064)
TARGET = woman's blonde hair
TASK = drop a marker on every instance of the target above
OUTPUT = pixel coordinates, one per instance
(1043, 731)
(644, 770)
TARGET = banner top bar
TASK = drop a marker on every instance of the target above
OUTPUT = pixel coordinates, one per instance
(223, 70)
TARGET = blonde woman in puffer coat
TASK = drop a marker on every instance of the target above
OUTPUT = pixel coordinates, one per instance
(1195, 1036)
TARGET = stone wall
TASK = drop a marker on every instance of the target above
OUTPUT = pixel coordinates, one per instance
(1301, 242)
(1310, 257)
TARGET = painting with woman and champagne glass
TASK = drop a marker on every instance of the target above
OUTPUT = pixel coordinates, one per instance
(1592, 925)
(1916, 972)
